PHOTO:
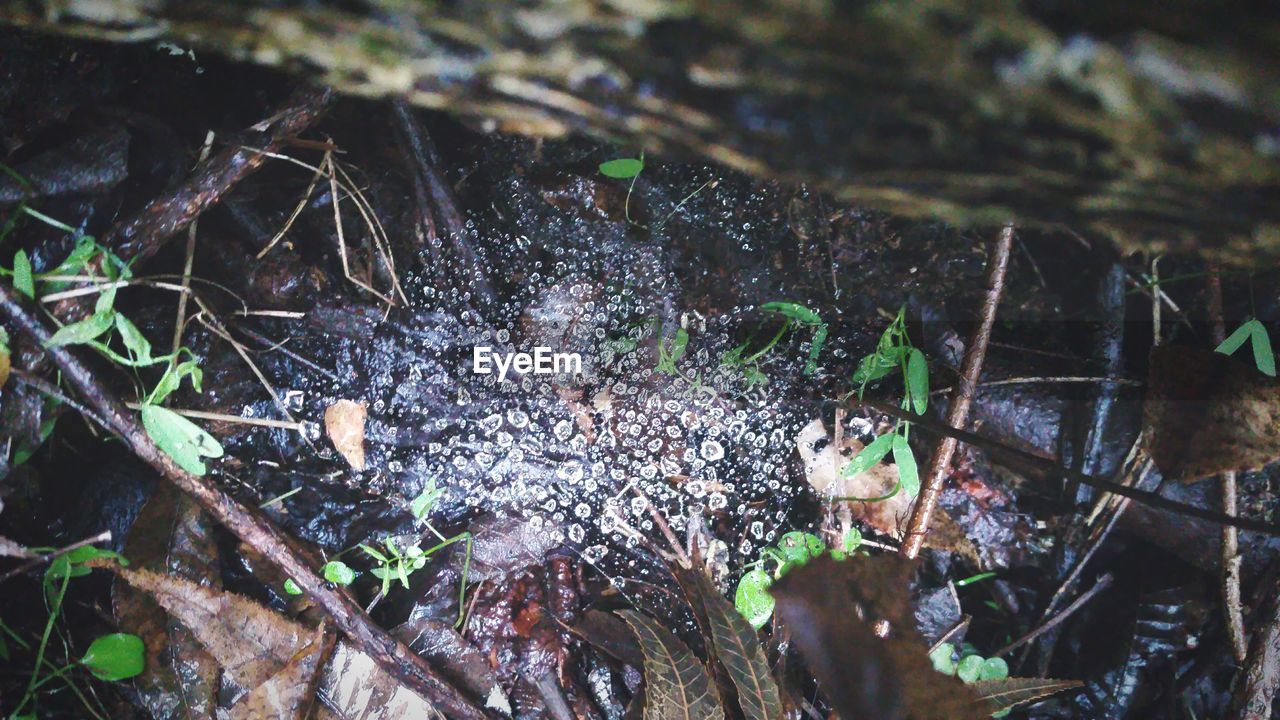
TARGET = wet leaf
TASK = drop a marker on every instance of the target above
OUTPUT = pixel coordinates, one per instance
(23, 281)
(918, 381)
(133, 339)
(752, 598)
(738, 649)
(344, 422)
(870, 456)
(179, 438)
(426, 500)
(1001, 695)
(289, 694)
(829, 608)
(78, 333)
(622, 168)
(339, 573)
(1206, 413)
(905, 460)
(170, 534)
(114, 657)
(609, 634)
(677, 686)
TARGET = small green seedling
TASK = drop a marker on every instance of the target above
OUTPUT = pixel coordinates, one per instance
(422, 505)
(1256, 333)
(794, 549)
(396, 564)
(334, 571)
(894, 353)
(624, 169)
(803, 316)
(670, 353)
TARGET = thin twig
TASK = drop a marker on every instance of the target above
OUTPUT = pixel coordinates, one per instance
(1028, 462)
(234, 419)
(1231, 605)
(961, 398)
(104, 536)
(249, 524)
(1103, 583)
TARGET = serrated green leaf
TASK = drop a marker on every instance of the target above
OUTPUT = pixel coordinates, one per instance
(752, 599)
(905, 460)
(339, 573)
(83, 331)
(918, 381)
(1237, 338)
(1001, 695)
(677, 686)
(23, 280)
(118, 656)
(181, 439)
(738, 649)
(1263, 356)
(622, 168)
(873, 453)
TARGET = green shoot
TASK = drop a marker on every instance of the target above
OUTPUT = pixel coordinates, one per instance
(426, 500)
(624, 169)
(1256, 333)
(894, 353)
(118, 656)
(669, 354)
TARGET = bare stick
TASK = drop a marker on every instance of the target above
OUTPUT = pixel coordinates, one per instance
(1027, 462)
(961, 397)
(104, 536)
(1103, 583)
(250, 525)
(1256, 688)
(1231, 608)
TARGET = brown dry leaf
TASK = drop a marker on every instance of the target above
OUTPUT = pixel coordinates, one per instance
(822, 465)
(344, 423)
(862, 675)
(290, 693)
(4, 365)
(1206, 413)
(677, 686)
(170, 535)
(1011, 692)
(253, 644)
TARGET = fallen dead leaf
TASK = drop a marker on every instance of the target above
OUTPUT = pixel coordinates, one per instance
(822, 464)
(289, 694)
(1206, 413)
(344, 422)
(253, 644)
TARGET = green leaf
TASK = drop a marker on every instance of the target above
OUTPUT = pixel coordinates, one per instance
(1263, 356)
(133, 339)
(291, 587)
(115, 657)
(23, 280)
(179, 438)
(72, 563)
(908, 473)
(78, 333)
(849, 544)
(879, 364)
(943, 659)
(918, 381)
(793, 311)
(669, 355)
(676, 683)
(373, 553)
(426, 500)
(819, 338)
(799, 547)
(970, 668)
(752, 597)
(172, 379)
(337, 572)
(739, 651)
(994, 669)
(870, 455)
(622, 168)
(1237, 338)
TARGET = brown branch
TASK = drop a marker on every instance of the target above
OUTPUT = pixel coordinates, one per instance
(1027, 462)
(1256, 688)
(961, 397)
(1231, 606)
(249, 524)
